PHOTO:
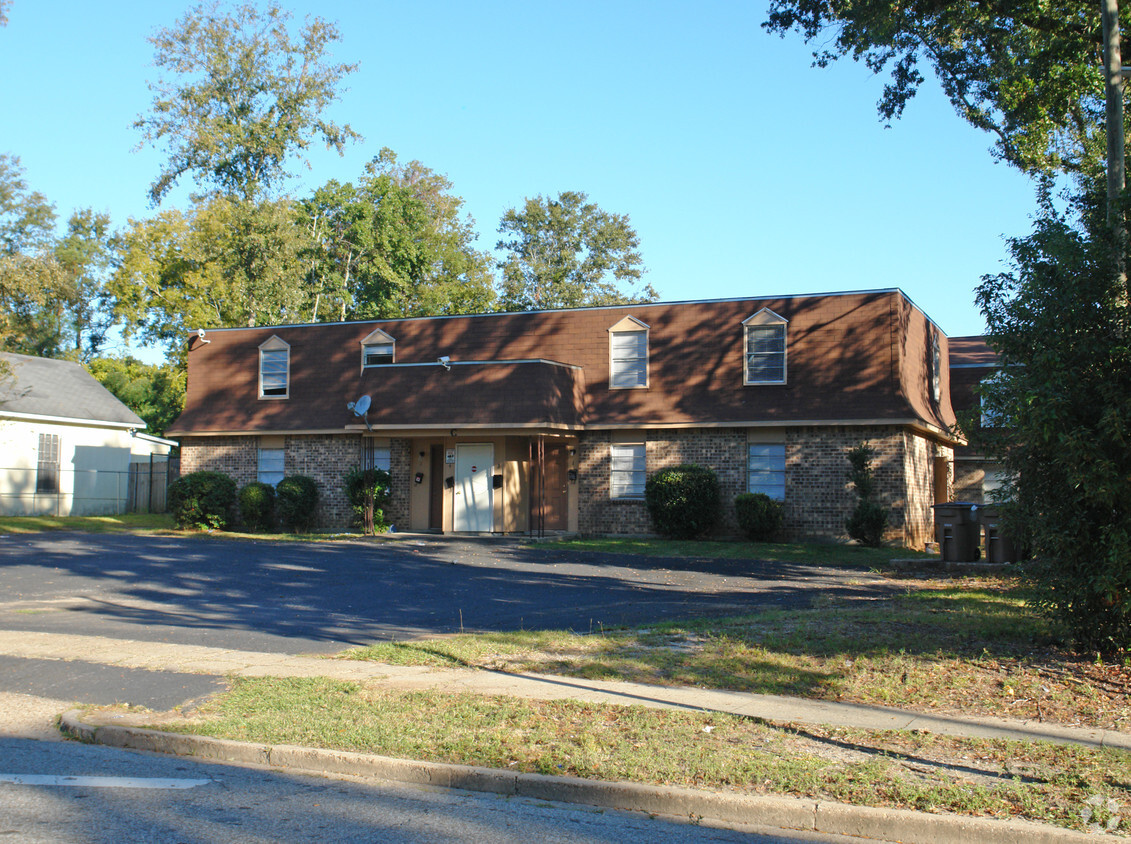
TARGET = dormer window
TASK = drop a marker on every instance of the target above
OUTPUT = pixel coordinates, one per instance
(936, 368)
(274, 369)
(628, 355)
(764, 351)
(377, 349)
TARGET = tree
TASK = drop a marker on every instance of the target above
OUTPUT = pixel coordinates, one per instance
(395, 245)
(568, 253)
(30, 275)
(238, 97)
(1062, 328)
(155, 393)
(1030, 72)
(225, 263)
(85, 255)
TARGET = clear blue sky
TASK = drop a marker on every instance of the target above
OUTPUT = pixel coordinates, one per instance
(745, 171)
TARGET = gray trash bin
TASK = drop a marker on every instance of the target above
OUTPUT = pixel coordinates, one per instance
(999, 547)
(958, 531)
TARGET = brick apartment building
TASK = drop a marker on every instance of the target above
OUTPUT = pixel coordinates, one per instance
(553, 420)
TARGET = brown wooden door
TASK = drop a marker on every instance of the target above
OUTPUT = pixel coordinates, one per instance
(557, 487)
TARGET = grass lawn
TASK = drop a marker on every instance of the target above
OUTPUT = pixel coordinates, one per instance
(908, 770)
(142, 523)
(817, 554)
(949, 645)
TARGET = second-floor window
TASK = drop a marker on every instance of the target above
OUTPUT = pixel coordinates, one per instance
(377, 349)
(764, 352)
(274, 369)
(628, 355)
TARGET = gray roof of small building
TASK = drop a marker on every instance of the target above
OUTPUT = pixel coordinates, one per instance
(59, 388)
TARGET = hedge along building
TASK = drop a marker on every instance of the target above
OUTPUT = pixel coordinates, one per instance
(553, 420)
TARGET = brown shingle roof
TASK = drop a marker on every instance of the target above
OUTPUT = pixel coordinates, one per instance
(848, 359)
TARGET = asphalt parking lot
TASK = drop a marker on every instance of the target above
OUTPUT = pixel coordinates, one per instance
(292, 597)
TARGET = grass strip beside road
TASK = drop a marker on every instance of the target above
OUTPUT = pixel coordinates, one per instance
(663, 747)
(953, 646)
(691, 550)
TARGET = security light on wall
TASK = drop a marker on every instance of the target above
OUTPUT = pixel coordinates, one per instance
(444, 361)
(200, 334)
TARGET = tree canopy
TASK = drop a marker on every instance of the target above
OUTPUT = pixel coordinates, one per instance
(238, 97)
(1061, 325)
(394, 245)
(568, 252)
(1028, 72)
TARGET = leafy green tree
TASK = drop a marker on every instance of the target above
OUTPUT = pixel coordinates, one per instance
(1061, 324)
(238, 97)
(567, 253)
(394, 245)
(1030, 72)
(224, 263)
(30, 275)
(156, 393)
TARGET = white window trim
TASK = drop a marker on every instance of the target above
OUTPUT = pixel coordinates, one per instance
(275, 344)
(765, 317)
(612, 471)
(631, 325)
(377, 337)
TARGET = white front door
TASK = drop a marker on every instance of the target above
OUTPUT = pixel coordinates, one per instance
(473, 511)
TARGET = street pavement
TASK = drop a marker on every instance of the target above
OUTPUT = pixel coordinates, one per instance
(294, 597)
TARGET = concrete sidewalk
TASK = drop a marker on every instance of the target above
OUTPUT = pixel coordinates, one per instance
(157, 656)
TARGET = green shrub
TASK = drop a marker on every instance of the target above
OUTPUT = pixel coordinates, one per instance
(202, 500)
(870, 518)
(683, 501)
(296, 503)
(760, 517)
(368, 491)
(257, 506)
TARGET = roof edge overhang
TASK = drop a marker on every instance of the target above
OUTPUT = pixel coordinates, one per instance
(69, 420)
(932, 431)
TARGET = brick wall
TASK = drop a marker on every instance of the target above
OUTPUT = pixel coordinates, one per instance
(236, 457)
(325, 458)
(721, 449)
(818, 496)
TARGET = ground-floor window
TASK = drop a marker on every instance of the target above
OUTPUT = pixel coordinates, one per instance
(766, 470)
(376, 456)
(271, 463)
(47, 465)
(628, 470)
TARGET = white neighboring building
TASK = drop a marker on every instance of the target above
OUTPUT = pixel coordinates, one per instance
(66, 443)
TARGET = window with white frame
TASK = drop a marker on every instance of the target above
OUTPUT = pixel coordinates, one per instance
(936, 368)
(377, 349)
(628, 355)
(628, 470)
(47, 464)
(764, 348)
(274, 369)
(991, 415)
(271, 465)
(765, 468)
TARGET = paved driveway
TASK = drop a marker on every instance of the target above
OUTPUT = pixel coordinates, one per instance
(321, 597)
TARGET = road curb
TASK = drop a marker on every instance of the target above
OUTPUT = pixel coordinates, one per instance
(712, 807)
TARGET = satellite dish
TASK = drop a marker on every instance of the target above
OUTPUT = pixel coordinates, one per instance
(361, 408)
